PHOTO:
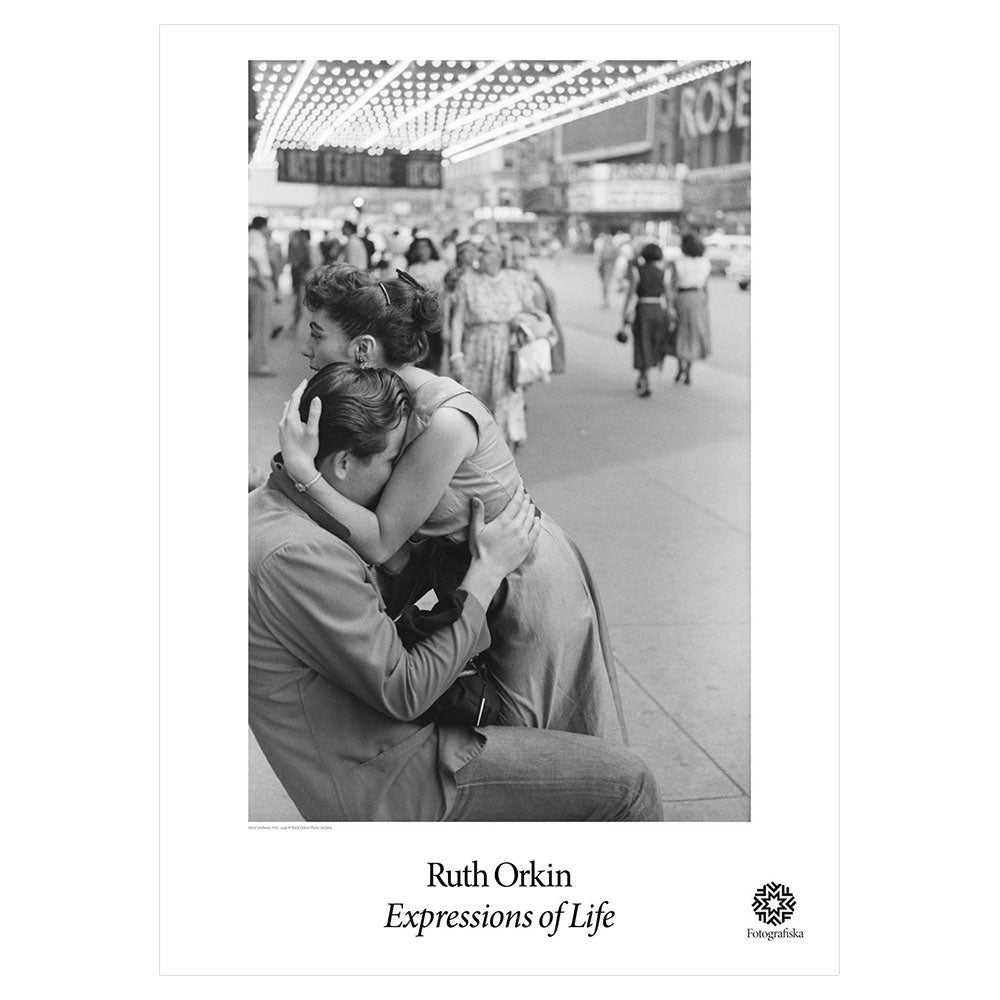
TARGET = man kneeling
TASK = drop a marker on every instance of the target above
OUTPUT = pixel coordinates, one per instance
(335, 697)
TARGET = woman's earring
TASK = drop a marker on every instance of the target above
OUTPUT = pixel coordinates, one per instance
(361, 358)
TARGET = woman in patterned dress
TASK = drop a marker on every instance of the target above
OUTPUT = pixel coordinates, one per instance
(485, 303)
(548, 652)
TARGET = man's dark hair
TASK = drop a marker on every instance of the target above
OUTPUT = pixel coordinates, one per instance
(258, 222)
(349, 227)
(360, 407)
(651, 252)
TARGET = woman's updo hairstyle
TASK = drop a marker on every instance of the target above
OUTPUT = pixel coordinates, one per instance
(397, 313)
(328, 285)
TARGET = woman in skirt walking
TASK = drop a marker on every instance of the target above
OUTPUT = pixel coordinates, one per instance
(647, 305)
(691, 271)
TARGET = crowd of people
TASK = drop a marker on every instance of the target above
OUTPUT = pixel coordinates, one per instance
(490, 301)
(491, 298)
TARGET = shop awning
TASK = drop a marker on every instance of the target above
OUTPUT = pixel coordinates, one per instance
(460, 108)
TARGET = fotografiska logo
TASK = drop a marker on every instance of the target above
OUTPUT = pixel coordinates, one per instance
(773, 903)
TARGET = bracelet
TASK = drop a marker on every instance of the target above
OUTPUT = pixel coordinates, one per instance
(302, 487)
(456, 355)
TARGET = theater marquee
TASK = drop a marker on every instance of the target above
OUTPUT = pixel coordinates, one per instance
(349, 168)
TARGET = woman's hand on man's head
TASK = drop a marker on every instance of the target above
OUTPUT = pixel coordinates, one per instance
(299, 441)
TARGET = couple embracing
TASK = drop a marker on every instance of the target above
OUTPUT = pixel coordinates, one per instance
(391, 482)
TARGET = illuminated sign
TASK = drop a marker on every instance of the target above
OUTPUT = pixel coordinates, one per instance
(716, 104)
(713, 120)
(625, 196)
(504, 213)
(349, 168)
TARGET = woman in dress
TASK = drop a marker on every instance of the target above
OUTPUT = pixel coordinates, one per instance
(548, 652)
(647, 302)
(691, 271)
(486, 301)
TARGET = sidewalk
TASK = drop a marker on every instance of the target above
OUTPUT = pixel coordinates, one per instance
(656, 494)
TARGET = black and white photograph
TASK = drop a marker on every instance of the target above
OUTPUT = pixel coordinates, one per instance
(499, 352)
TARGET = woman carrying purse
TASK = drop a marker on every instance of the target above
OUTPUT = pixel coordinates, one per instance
(648, 308)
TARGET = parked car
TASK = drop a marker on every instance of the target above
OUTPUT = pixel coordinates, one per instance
(720, 248)
(739, 268)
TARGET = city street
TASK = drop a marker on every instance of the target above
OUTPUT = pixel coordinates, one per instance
(656, 492)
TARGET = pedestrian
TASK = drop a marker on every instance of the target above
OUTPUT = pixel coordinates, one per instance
(330, 247)
(549, 650)
(647, 309)
(354, 251)
(486, 303)
(397, 252)
(606, 254)
(370, 246)
(276, 257)
(300, 261)
(423, 261)
(449, 248)
(690, 280)
(466, 259)
(337, 702)
(261, 291)
(545, 298)
(424, 264)
(624, 261)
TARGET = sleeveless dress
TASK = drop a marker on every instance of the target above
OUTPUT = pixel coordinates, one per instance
(549, 651)
(649, 331)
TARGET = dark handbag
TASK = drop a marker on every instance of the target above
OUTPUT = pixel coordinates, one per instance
(472, 699)
(670, 341)
(622, 335)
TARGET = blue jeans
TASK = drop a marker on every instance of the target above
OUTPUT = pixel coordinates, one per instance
(542, 775)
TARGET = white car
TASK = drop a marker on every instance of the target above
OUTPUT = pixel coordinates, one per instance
(739, 268)
(721, 248)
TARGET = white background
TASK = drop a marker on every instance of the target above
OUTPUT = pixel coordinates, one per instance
(682, 892)
(918, 592)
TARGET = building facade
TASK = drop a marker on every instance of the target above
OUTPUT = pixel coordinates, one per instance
(713, 141)
(679, 159)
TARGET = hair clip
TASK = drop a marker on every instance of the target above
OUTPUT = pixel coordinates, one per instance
(385, 293)
(410, 280)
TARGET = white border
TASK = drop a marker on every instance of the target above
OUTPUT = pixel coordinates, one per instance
(317, 897)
